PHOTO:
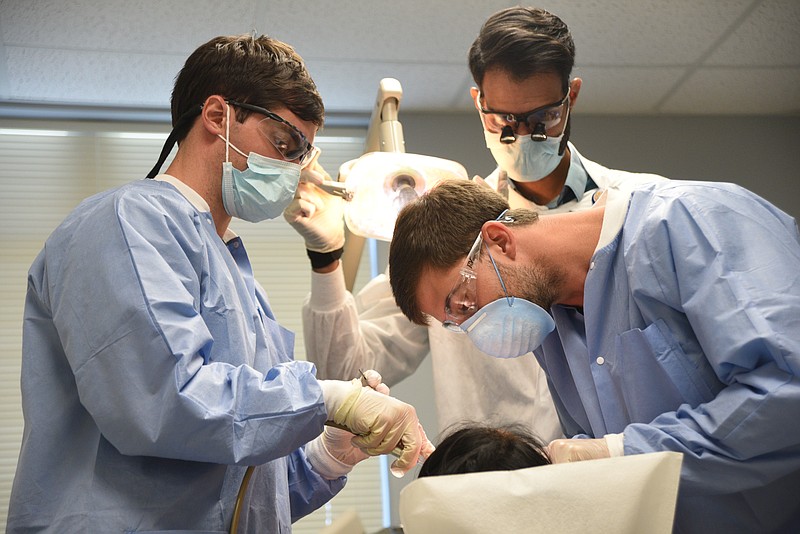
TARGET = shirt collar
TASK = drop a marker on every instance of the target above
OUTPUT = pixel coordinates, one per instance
(616, 203)
(191, 195)
(194, 199)
(575, 184)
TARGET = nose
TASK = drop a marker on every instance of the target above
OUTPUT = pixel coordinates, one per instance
(522, 128)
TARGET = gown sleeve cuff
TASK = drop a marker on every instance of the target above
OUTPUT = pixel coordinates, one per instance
(324, 462)
(328, 290)
(616, 444)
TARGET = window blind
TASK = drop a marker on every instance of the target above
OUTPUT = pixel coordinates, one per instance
(47, 168)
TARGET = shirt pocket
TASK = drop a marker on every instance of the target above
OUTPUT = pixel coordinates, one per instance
(657, 376)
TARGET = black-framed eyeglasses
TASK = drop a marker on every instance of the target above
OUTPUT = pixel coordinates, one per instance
(282, 134)
(538, 121)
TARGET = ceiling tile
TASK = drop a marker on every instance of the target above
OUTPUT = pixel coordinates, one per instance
(121, 25)
(419, 31)
(768, 37)
(348, 86)
(623, 32)
(738, 91)
(624, 90)
(78, 76)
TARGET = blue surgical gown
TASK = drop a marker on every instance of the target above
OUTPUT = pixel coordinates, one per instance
(153, 373)
(689, 341)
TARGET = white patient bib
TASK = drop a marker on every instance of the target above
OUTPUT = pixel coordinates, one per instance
(627, 494)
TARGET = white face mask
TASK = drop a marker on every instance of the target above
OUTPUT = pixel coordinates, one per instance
(261, 191)
(526, 160)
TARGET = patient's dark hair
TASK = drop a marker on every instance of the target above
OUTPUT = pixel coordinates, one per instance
(477, 448)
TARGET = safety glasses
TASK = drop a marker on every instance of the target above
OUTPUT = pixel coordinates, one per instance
(283, 135)
(462, 301)
(537, 121)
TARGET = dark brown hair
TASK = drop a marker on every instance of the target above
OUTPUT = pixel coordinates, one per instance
(254, 70)
(523, 41)
(436, 232)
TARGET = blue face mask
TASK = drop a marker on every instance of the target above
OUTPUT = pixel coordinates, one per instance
(508, 327)
(261, 191)
(526, 160)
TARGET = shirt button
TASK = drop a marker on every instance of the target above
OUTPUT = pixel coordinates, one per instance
(591, 266)
(600, 360)
(235, 244)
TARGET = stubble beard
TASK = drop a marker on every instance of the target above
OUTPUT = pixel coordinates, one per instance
(535, 283)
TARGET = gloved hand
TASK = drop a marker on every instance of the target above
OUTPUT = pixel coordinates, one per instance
(575, 450)
(381, 423)
(375, 381)
(315, 214)
(332, 454)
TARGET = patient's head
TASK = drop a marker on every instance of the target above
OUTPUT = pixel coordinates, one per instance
(481, 448)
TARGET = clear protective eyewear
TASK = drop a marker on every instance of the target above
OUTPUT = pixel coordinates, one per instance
(462, 301)
(537, 121)
(282, 134)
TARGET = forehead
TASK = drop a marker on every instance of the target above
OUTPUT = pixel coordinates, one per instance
(501, 92)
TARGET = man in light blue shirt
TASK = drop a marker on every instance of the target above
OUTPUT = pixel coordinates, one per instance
(154, 373)
(672, 324)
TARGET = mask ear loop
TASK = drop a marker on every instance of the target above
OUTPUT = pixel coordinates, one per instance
(509, 299)
(227, 138)
(505, 218)
(565, 133)
(228, 133)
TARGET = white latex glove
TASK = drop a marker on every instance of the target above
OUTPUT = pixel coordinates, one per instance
(375, 381)
(575, 450)
(381, 423)
(315, 214)
(332, 454)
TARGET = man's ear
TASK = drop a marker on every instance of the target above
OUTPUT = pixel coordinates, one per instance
(214, 115)
(473, 92)
(574, 89)
(500, 238)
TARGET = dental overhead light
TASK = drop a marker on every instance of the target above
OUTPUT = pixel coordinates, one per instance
(383, 180)
(381, 183)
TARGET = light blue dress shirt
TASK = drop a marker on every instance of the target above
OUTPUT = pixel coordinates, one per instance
(153, 373)
(576, 184)
(689, 341)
